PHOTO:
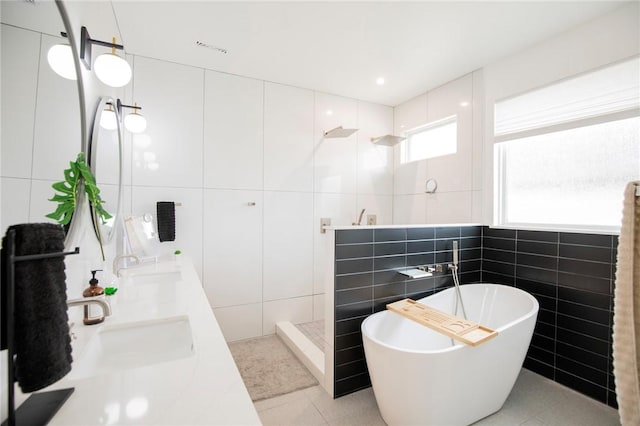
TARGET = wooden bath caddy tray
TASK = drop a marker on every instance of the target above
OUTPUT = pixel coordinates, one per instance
(455, 327)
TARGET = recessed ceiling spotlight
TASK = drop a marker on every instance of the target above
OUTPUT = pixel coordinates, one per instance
(380, 81)
(329, 112)
(209, 46)
(464, 104)
(402, 126)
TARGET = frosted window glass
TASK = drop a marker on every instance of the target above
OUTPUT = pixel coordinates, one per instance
(572, 177)
(434, 140)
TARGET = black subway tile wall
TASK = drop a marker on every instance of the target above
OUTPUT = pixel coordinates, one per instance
(366, 280)
(570, 274)
(572, 277)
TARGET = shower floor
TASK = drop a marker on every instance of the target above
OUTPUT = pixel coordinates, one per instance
(314, 331)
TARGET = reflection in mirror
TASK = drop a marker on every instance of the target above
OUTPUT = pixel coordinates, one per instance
(43, 129)
(105, 159)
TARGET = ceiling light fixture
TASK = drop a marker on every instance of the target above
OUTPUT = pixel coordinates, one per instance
(464, 104)
(110, 68)
(380, 81)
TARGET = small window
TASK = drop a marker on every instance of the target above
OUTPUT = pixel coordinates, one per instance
(435, 139)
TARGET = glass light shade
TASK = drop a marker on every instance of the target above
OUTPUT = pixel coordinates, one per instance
(135, 123)
(112, 70)
(108, 120)
(60, 59)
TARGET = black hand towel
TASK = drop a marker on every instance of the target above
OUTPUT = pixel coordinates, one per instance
(42, 342)
(166, 215)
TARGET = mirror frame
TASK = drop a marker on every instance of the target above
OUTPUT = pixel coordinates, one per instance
(74, 233)
(102, 232)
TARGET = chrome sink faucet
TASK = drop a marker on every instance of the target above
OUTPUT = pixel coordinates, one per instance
(117, 259)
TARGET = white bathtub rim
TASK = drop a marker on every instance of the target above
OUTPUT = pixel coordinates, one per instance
(457, 345)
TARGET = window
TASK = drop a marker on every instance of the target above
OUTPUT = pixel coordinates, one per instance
(435, 139)
(564, 153)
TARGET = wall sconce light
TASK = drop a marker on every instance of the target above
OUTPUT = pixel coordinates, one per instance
(60, 58)
(108, 119)
(134, 122)
(110, 68)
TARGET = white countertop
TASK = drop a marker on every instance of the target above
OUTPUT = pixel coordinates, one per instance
(204, 388)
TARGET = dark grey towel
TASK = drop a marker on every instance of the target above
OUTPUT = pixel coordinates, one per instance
(42, 342)
(166, 215)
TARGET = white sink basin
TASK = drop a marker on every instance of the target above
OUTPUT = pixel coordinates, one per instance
(154, 274)
(132, 345)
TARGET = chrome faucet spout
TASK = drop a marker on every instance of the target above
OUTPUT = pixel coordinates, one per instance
(117, 259)
(359, 218)
(106, 308)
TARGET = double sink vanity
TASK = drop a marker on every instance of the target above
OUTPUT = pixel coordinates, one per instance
(159, 358)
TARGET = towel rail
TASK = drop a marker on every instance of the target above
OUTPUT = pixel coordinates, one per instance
(39, 408)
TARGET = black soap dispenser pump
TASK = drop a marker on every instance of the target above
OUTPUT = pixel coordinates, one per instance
(93, 314)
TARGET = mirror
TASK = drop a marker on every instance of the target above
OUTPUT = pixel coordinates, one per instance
(105, 157)
(43, 129)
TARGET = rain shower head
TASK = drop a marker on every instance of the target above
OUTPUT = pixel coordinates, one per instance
(339, 132)
(387, 140)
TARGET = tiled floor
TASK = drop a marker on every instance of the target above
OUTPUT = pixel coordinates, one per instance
(534, 401)
(314, 332)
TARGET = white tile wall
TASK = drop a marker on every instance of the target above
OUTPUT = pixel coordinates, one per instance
(19, 84)
(449, 207)
(233, 132)
(380, 205)
(216, 142)
(296, 310)
(40, 206)
(410, 209)
(341, 209)
(288, 138)
(57, 133)
(240, 322)
(410, 114)
(288, 244)
(233, 247)
(375, 162)
(454, 173)
(171, 96)
(189, 217)
(335, 158)
(15, 201)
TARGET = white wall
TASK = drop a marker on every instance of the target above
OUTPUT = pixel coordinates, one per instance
(465, 180)
(246, 158)
(458, 175)
(602, 41)
(248, 161)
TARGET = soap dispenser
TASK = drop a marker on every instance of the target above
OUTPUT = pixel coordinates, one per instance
(92, 313)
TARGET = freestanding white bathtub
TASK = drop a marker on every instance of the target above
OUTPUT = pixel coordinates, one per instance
(421, 377)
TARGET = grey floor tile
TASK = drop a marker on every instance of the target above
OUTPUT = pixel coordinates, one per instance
(288, 398)
(357, 403)
(301, 412)
(534, 401)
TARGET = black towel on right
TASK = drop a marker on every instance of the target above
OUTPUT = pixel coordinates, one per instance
(41, 329)
(166, 217)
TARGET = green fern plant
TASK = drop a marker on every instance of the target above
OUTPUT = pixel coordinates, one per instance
(67, 198)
